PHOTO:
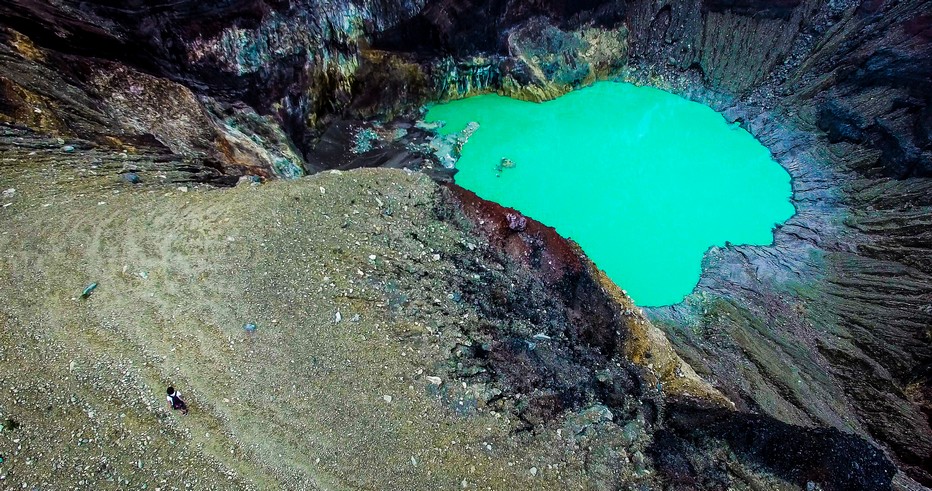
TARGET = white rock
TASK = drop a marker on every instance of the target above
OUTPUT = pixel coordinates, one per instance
(338, 317)
(387, 398)
(434, 380)
(533, 471)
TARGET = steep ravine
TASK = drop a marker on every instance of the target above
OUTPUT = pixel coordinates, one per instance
(828, 328)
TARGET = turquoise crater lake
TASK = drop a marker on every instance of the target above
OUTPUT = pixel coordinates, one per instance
(645, 181)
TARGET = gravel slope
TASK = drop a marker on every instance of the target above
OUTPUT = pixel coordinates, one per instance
(346, 277)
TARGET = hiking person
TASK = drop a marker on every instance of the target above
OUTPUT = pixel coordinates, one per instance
(175, 402)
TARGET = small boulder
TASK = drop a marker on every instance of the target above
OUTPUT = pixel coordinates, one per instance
(516, 221)
(249, 180)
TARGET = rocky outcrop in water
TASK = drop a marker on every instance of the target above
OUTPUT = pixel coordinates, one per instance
(828, 328)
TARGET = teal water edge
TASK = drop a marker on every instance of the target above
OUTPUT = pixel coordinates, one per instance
(645, 181)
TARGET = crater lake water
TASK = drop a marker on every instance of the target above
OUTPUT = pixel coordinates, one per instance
(645, 181)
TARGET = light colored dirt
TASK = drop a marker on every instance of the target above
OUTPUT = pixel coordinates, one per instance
(300, 403)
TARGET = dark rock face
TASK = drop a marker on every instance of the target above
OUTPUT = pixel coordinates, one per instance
(827, 456)
(828, 328)
(580, 331)
(465, 28)
(774, 9)
(582, 358)
(290, 63)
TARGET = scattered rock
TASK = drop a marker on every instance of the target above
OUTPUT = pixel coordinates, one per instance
(516, 221)
(631, 432)
(9, 424)
(249, 180)
(578, 423)
(506, 163)
(640, 462)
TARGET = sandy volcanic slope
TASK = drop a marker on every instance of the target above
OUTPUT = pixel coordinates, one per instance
(301, 401)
